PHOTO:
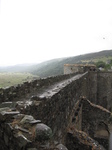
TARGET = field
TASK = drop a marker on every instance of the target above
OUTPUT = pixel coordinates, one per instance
(9, 79)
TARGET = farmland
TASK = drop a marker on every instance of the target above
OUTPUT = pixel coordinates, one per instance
(9, 79)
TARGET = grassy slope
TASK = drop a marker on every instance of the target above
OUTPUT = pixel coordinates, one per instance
(9, 79)
(56, 66)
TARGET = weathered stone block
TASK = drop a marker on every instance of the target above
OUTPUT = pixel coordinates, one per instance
(42, 132)
(27, 119)
(22, 140)
(61, 147)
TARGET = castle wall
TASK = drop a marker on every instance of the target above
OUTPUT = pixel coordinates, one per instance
(94, 130)
(58, 111)
(100, 88)
(71, 69)
(92, 87)
(95, 122)
(63, 108)
(27, 89)
(104, 89)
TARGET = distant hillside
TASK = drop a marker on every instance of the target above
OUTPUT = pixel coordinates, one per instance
(13, 79)
(55, 66)
(17, 68)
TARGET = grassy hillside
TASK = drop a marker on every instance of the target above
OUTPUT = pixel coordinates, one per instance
(55, 66)
(9, 79)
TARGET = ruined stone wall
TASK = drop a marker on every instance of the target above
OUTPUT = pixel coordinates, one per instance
(95, 122)
(71, 69)
(58, 111)
(77, 116)
(98, 85)
(22, 132)
(104, 89)
(63, 108)
(95, 128)
(92, 87)
(27, 89)
(100, 88)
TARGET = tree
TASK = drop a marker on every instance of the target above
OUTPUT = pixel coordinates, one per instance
(100, 64)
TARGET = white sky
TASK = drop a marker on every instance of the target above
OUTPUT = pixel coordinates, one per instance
(37, 30)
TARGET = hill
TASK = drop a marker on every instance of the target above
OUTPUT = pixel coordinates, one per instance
(55, 66)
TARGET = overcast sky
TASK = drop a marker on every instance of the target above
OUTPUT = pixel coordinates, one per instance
(37, 30)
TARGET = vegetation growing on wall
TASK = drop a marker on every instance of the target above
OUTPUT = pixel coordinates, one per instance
(105, 65)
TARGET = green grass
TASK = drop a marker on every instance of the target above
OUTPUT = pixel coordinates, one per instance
(9, 79)
(104, 59)
(94, 60)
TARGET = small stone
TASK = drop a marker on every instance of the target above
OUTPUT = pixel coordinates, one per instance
(22, 140)
(61, 147)
(19, 116)
(10, 112)
(35, 121)
(27, 119)
(6, 115)
(4, 109)
(42, 97)
(42, 132)
(34, 97)
(22, 129)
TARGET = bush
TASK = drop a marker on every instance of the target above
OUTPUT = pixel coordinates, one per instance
(100, 64)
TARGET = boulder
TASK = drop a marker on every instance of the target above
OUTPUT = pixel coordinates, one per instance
(61, 147)
(42, 132)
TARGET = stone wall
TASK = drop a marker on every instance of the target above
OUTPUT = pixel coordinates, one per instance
(94, 132)
(59, 110)
(28, 89)
(95, 120)
(100, 88)
(73, 68)
(22, 132)
(70, 69)
(56, 111)
(104, 89)
(92, 87)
